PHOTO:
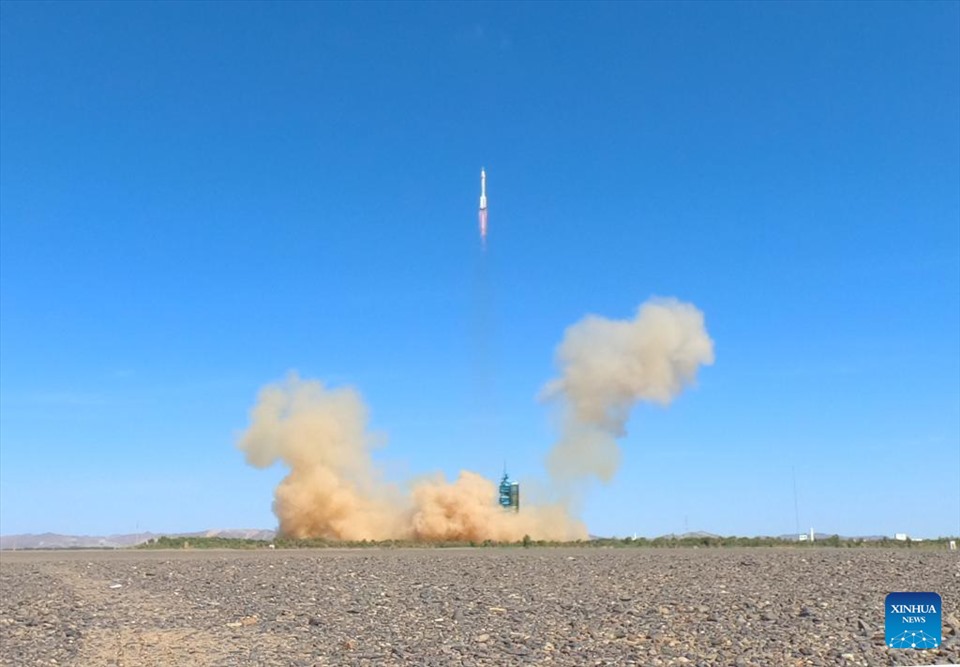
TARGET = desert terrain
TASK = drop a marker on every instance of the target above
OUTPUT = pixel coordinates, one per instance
(485, 606)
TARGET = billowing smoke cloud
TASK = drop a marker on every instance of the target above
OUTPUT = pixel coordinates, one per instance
(607, 366)
(335, 489)
(332, 489)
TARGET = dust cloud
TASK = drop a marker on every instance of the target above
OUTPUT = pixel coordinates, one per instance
(336, 490)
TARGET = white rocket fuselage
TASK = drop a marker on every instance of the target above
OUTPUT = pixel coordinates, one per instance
(483, 190)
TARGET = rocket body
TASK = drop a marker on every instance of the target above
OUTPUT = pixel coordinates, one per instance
(483, 190)
(483, 207)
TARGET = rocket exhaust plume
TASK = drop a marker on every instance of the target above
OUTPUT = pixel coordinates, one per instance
(607, 366)
(335, 489)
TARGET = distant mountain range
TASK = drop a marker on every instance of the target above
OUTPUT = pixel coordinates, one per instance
(56, 541)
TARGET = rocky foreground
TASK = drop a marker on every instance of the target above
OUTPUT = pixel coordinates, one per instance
(467, 607)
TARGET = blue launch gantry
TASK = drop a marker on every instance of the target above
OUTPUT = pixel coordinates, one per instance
(509, 493)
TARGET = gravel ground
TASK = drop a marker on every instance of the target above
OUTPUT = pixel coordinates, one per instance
(466, 607)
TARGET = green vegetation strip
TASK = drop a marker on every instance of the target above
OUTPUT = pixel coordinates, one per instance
(641, 542)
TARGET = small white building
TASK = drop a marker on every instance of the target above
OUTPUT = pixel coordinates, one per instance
(900, 537)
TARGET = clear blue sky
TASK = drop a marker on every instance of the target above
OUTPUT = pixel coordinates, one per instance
(197, 198)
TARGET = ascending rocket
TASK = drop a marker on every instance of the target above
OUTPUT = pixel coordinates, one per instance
(483, 206)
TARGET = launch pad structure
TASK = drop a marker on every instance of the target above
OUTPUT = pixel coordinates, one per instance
(509, 493)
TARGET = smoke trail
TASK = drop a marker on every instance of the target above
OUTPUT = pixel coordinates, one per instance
(334, 489)
(607, 366)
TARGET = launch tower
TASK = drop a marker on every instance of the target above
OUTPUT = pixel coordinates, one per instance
(509, 493)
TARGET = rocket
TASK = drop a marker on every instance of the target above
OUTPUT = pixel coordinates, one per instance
(483, 189)
(483, 206)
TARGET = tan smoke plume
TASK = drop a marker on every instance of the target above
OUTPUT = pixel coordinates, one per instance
(334, 489)
(607, 366)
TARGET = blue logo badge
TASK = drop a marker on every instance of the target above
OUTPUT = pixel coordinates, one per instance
(913, 620)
